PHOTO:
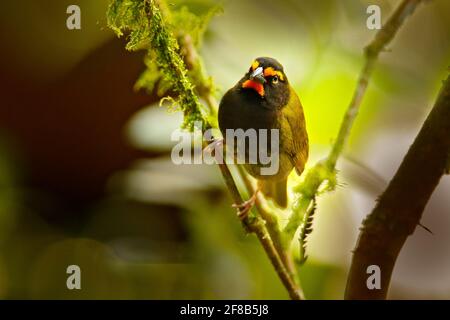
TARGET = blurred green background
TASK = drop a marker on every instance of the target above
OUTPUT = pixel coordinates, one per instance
(85, 170)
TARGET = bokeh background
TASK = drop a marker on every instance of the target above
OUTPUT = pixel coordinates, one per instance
(86, 177)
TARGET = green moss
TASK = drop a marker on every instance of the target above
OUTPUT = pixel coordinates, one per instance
(152, 26)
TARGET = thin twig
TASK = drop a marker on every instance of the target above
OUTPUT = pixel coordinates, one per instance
(273, 227)
(255, 224)
(252, 223)
(325, 169)
(205, 91)
(147, 24)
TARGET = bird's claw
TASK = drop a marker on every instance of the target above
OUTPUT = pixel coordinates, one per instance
(245, 207)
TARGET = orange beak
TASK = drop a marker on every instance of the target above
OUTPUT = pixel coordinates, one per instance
(255, 85)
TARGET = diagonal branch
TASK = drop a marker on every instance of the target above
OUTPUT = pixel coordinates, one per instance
(273, 226)
(395, 216)
(382, 38)
(255, 224)
(172, 63)
(205, 88)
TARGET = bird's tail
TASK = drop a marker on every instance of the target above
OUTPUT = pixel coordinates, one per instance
(275, 190)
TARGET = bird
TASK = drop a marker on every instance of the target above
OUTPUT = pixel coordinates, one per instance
(264, 99)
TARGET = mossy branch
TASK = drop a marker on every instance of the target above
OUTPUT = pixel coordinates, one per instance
(146, 22)
(323, 175)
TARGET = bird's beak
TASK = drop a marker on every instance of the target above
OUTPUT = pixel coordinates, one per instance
(256, 81)
(258, 75)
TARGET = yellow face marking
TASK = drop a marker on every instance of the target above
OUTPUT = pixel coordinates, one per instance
(270, 72)
(255, 65)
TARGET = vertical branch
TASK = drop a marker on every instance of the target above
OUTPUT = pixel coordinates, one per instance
(395, 216)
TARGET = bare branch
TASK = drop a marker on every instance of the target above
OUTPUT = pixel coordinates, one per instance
(255, 224)
(273, 227)
(396, 216)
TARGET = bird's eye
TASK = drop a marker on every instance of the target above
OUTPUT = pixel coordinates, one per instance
(275, 79)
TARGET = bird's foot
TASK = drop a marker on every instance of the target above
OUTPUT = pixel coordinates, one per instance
(245, 207)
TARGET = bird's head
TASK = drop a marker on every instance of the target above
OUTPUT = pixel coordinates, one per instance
(266, 78)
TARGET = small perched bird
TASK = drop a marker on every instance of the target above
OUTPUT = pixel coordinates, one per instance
(263, 99)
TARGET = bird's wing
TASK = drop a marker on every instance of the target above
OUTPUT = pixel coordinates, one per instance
(295, 140)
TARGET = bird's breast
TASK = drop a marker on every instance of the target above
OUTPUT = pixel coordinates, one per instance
(245, 110)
